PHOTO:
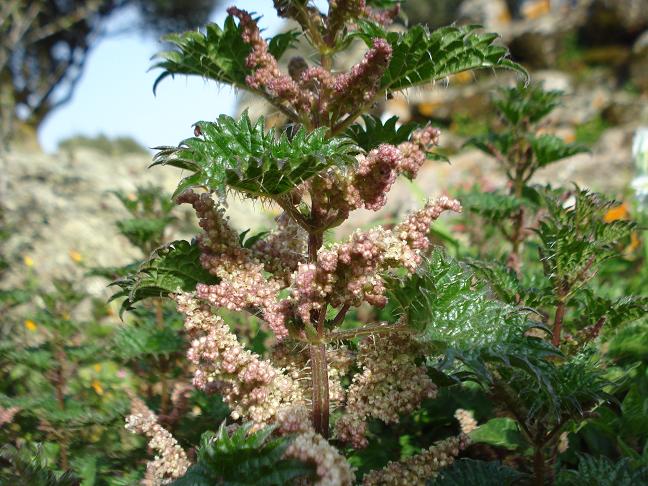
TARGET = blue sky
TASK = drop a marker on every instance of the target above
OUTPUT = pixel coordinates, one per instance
(115, 95)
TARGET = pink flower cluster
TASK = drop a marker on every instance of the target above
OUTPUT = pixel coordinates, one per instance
(220, 249)
(414, 230)
(340, 12)
(361, 83)
(248, 288)
(252, 387)
(242, 283)
(331, 467)
(171, 460)
(382, 16)
(7, 414)
(390, 383)
(266, 74)
(414, 152)
(374, 177)
(335, 194)
(350, 273)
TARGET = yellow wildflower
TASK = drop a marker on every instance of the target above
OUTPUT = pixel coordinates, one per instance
(97, 367)
(96, 386)
(75, 256)
(28, 261)
(30, 325)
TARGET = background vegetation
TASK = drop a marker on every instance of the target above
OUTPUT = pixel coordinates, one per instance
(573, 260)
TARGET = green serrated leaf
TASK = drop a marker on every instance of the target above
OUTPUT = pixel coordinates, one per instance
(146, 339)
(243, 458)
(466, 472)
(420, 56)
(241, 155)
(218, 54)
(502, 280)
(575, 238)
(630, 343)
(375, 132)
(140, 231)
(601, 471)
(496, 145)
(492, 205)
(30, 466)
(549, 148)
(172, 268)
(526, 103)
(281, 42)
(454, 315)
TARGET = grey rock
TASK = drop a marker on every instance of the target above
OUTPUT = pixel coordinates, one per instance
(613, 21)
(639, 63)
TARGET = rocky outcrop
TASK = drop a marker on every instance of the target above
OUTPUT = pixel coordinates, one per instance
(59, 208)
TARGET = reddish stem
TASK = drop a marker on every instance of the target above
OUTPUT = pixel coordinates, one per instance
(558, 322)
(319, 365)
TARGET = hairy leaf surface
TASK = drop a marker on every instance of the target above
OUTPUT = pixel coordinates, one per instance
(375, 132)
(549, 148)
(420, 56)
(172, 268)
(454, 315)
(218, 53)
(601, 471)
(528, 104)
(477, 473)
(243, 156)
(492, 205)
(243, 458)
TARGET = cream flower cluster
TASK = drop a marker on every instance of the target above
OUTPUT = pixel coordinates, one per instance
(283, 249)
(390, 383)
(420, 468)
(466, 420)
(331, 467)
(171, 460)
(252, 387)
(350, 273)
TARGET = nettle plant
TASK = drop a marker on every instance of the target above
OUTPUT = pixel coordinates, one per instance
(66, 381)
(559, 244)
(62, 397)
(303, 407)
(558, 239)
